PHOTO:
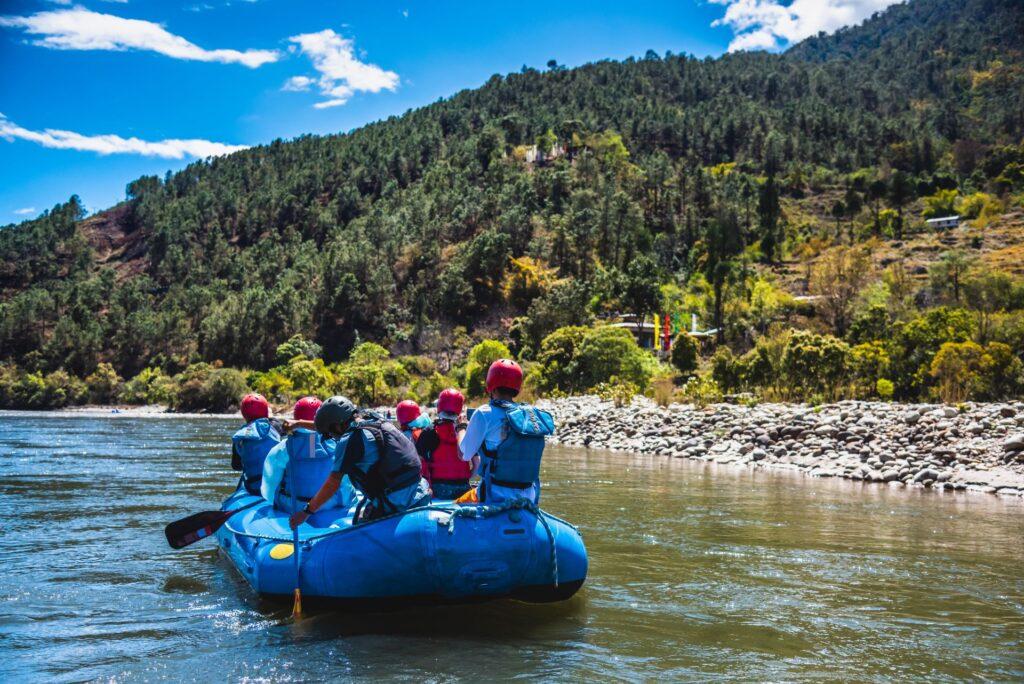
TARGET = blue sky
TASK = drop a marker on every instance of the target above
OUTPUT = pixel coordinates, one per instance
(97, 93)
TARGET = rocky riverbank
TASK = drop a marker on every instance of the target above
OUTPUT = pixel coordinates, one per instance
(976, 447)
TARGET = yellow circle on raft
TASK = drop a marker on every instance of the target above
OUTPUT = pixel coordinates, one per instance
(281, 551)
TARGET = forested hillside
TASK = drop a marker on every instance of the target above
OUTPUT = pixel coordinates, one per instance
(721, 187)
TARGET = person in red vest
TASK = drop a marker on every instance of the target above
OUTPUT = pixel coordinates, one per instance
(412, 422)
(438, 446)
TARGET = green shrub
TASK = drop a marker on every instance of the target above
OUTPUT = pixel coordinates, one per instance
(980, 207)
(815, 363)
(616, 390)
(103, 384)
(192, 387)
(701, 390)
(607, 352)
(368, 353)
(425, 389)
(868, 362)
(309, 377)
(370, 376)
(556, 362)
(202, 387)
(956, 369)
(297, 346)
(575, 359)
(1002, 371)
(912, 345)
(480, 359)
(884, 389)
(150, 386)
(418, 365)
(224, 389)
(273, 384)
(726, 369)
(965, 370)
(685, 353)
(940, 204)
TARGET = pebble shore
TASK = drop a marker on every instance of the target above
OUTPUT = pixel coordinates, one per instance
(974, 447)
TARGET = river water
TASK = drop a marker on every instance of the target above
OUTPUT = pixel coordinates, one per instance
(696, 572)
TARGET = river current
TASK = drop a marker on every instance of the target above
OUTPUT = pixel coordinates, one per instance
(697, 572)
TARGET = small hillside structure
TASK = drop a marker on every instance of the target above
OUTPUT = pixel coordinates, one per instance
(534, 155)
(943, 223)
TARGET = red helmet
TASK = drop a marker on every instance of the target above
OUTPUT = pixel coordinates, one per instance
(254, 406)
(305, 408)
(450, 401)
(407, 411)
(504, 373)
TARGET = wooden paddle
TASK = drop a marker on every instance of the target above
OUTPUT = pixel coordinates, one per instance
(181, 533)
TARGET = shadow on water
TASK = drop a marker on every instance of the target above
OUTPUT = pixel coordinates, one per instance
(697, 572)
(506, 620)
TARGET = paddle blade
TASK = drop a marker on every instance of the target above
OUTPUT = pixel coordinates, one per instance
(297, 606)
(181, 533)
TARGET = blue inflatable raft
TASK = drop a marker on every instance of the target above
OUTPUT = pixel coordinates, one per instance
(444, 553)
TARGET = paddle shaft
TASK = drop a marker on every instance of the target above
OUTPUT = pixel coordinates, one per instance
(297, 605)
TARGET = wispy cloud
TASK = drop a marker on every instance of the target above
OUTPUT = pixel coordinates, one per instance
(765, 24)
(115, 144)
(82, 29)
(298, 84)
(342, 74)
(25, 211)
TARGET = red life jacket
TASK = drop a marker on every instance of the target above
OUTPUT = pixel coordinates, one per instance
(445, 462)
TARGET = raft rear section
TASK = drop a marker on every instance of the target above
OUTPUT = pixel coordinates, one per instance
(444, 553)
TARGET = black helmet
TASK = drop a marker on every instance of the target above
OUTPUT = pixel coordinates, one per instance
(334, 415)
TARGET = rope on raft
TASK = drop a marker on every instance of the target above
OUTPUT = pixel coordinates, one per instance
(476, 512)
(485, 511)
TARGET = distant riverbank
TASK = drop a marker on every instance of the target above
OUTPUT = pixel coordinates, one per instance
(976, 447)
(149, 411)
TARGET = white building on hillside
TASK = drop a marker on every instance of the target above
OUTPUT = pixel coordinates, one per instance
(944, 223)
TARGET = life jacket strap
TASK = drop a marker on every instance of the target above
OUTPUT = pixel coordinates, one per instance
(304, 499)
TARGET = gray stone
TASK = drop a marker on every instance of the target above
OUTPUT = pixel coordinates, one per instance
(1014, 442)
(890, 475)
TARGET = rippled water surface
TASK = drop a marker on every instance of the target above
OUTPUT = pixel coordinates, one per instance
(696, 573)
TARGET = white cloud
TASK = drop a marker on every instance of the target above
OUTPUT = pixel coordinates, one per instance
(341, 72)
(115, 144)
(298, 84)
(764, 24)
(25, 211)
(82, 29)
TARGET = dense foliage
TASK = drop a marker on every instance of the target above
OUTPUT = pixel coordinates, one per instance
(665, 182)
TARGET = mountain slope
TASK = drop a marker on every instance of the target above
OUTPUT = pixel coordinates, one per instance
(409, 226)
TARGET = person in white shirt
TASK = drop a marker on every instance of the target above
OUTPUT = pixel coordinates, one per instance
(488, 429)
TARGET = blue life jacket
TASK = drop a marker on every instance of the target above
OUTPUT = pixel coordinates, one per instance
(308, 467)
(515, 462)
(252, 443)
